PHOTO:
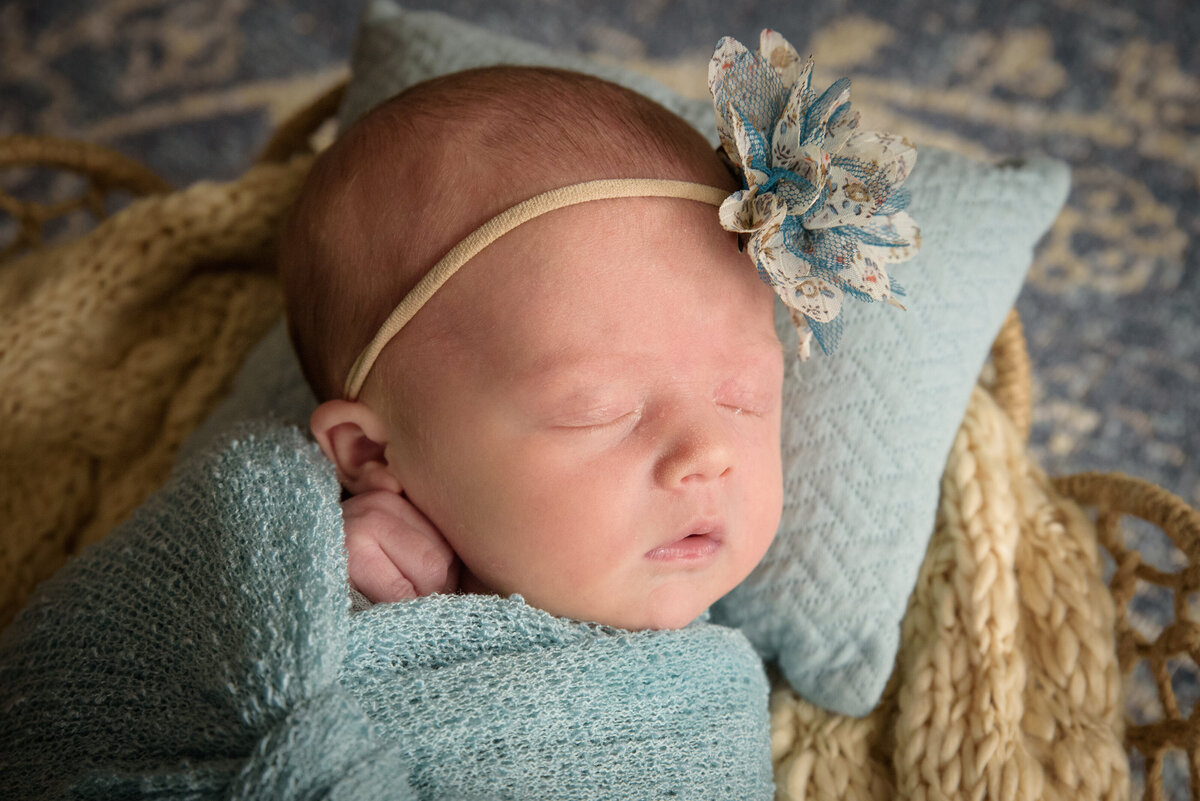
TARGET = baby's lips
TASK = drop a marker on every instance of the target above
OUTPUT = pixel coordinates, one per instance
(700, 539)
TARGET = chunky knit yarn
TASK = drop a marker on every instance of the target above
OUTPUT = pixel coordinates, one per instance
(206, 650)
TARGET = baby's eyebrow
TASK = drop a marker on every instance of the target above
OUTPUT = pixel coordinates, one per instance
(569, 363)
(566, 364)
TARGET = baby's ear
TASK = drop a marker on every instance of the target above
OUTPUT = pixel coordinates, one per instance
(354, 439)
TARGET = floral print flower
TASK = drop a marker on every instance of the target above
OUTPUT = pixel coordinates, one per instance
(823, 206)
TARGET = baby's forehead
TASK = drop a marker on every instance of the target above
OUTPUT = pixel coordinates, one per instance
(631, 274)
(446, 198)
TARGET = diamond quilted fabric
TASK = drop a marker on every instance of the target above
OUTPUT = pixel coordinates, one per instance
(866, 432)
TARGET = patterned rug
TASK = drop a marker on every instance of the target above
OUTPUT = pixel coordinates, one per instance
(1111, 308)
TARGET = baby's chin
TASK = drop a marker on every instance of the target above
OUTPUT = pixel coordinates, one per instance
(661, 611)
(667, 620)
(661, 614)
(668, 606)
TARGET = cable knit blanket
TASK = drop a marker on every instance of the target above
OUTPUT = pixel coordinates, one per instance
(206, 650)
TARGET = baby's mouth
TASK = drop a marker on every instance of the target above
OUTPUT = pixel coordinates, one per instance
(700, 541)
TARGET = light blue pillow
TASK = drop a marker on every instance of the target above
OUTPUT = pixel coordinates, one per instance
(866, 430)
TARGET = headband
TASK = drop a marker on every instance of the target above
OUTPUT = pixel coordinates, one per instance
(500, 225)
(821, 207)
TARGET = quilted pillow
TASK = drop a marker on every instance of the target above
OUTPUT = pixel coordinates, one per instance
(865, 431)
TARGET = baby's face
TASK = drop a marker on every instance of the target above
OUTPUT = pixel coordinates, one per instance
(603, 436)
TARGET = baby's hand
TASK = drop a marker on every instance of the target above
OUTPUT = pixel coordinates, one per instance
(394, 551)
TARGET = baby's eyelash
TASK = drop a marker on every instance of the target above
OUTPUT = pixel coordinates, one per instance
(744, 395)
(741, 410)
(629, 417)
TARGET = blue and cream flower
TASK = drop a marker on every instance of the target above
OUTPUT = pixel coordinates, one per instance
(823, 206)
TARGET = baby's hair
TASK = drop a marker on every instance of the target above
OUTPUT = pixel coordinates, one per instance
(423, 169)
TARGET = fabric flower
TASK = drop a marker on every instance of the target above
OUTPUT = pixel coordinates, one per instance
(823, 206)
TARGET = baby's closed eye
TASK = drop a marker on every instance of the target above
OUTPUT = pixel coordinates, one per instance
(742, 397)
(599, 417)
(626, 416)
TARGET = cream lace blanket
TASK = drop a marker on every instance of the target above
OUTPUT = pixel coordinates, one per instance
(115, 346)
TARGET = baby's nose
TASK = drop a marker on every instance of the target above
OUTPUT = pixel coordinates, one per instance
(697, 447)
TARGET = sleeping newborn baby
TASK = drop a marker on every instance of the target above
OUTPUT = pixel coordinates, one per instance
(547, 369)
(588, 412)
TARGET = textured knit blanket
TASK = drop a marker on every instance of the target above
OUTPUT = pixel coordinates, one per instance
(206, 649)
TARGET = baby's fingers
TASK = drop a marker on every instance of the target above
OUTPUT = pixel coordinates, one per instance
(428, 561)
(377, 577)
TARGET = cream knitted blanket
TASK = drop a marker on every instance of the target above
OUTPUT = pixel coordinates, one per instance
(115, 346)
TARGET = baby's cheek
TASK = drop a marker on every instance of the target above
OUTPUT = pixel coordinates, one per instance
(764, 500)
(574, 532)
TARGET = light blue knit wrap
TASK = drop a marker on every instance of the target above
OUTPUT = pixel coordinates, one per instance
(206, 650)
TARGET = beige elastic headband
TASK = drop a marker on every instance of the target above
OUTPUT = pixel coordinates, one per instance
(500, 225)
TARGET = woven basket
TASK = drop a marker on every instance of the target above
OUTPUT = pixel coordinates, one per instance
(76, 455)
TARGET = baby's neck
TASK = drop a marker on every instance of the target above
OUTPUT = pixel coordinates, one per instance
(469, 584)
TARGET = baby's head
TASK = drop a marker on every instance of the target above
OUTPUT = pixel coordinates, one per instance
(589, 409)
